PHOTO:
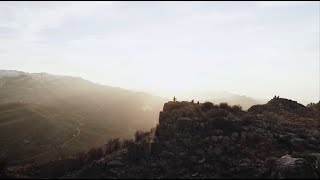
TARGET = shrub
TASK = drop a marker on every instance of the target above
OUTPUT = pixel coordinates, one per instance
(224, 105)
(95, 153)
(136, 151)
(139, 135)
(82, 156)
(126, 143)
(207, 106)
(153, 130)
(311, 104)
(236, 108)
(112, 145)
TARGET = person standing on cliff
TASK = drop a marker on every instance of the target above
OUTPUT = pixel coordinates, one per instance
(174, 98)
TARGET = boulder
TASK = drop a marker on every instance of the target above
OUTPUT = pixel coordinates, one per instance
(234, 136)
(288, 167)
(202, 160)
(115, 163)
(200, 152)
(298, 143)
(314, 161)
(214, 138)
(217, 151)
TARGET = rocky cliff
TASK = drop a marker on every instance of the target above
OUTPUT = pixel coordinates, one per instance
(214, 141)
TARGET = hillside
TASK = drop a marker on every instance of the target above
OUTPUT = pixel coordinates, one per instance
(29, 131)
(204, 141)
(60, 103)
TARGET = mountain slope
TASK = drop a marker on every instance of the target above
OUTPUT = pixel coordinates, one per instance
(105, 112)
(27, 130)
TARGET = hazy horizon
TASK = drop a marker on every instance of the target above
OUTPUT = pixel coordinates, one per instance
(186, 49)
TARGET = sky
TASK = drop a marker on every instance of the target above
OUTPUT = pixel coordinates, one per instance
(259, 49)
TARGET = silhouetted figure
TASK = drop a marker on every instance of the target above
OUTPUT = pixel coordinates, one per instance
(174, 99)
(192, 101)
(274, 97)
(198, 102)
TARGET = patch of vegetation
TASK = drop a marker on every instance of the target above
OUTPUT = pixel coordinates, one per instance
(112, 146)
(139, 135)
(225, 106)
(236, 108)
(207, 106)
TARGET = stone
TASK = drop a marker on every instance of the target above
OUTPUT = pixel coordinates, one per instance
(313, 140)
(234, 136)
(244, 165)
(218, 132)
(287, 167)
(153, 165)
(200, 152)
(243, 136)
(217, 151)
(193, 158)
(202, 125)
(214, 138)
(314, 161)
(195, 174)
(298, 143)
(316, 134)
(115, 163)
(202, 160)
(166, 154)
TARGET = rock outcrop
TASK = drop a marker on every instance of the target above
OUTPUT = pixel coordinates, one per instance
(281, 106)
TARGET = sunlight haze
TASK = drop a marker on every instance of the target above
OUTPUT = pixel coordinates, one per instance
(184, 49)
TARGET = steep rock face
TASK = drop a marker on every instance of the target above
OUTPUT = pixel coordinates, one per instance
(239, 144)
(235, 145)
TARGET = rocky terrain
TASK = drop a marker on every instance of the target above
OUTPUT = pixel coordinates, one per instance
(280, 139)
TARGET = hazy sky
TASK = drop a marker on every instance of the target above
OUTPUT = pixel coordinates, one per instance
(257, 49)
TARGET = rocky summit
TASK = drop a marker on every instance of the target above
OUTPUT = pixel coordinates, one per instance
(280, 139)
